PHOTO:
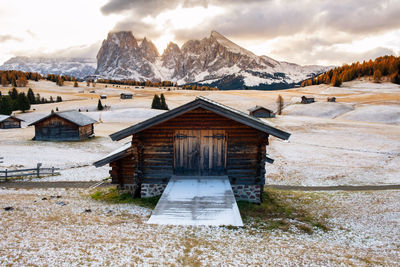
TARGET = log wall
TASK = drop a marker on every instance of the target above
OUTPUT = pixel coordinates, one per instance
(10, 123)
(58, 129)
(154, 152)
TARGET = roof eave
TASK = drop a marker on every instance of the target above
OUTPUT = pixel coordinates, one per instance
(193, 105)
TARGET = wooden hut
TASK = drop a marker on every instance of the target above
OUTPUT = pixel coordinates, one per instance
(307, 100)
(331, 99)
(126, 96)
(202, 138)
(63, 126)
(8, 122)
(261, 112)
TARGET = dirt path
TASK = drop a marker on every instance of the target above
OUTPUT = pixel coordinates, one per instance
(336, 188)
(28, 185)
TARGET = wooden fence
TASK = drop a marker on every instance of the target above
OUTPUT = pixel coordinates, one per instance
(38, 171)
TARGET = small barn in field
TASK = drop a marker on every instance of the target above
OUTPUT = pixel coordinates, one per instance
(9, 122)
(126, 96)
(307, 100)
(261, 112)
(201, 138)
(63, 126)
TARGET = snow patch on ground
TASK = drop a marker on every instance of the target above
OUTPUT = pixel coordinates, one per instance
(318, 109)
(364, 230)
(375, 113)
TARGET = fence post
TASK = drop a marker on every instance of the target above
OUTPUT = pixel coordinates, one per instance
(6, 176)
(38, 169)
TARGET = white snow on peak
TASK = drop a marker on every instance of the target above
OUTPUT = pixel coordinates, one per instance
(231, 46)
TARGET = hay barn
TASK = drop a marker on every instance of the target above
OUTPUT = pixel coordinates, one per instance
(202, 138)
(9, 122)
(261, 112)
(63, 126)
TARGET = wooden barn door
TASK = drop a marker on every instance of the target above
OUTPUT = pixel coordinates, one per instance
(187, 152)
(200, 152)
(212, 152)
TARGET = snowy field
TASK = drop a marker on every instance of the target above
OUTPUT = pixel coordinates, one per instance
(355, 141)
(363, 232)
(324, 152)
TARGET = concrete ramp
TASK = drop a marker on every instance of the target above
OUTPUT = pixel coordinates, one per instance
(197, 200)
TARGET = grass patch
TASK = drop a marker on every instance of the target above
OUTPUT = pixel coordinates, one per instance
(280, 210)
(113, 196)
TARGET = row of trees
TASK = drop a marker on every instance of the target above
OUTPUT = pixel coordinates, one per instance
(18, 78)
(60, 79)
(199, 88)
(138, 83)
(159, 102)
(20, 101)
(386, 66)
(14, 101)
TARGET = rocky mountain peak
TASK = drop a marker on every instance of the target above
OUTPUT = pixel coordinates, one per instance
(215, 60)
(149, 50)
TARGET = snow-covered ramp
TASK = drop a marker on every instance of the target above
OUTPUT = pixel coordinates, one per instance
(197, 200)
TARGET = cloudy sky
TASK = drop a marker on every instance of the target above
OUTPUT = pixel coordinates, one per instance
(302, 31)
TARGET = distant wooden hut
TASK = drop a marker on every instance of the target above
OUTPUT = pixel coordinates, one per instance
(307, 100)
(126, 96)
(9, 122)
(331, 99)
(261, 112)
(103, 96)
(63, 126)
(202, 138)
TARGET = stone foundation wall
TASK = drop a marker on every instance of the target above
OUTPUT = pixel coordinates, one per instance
(130, 188)
(152, 190)
(251, 193)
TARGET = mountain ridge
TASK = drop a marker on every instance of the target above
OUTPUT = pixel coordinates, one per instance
(211, 60)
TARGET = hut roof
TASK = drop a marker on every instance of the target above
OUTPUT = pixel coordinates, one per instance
(113, 156)
(257, 108)
(202, 102)
(4, 117)
(70, 115)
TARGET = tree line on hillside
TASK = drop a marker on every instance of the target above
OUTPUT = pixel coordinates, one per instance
(18, 78)
(60, 79)
(20, 101)
(386, 66)
(156, 84)
(138, 83)
(198, 87)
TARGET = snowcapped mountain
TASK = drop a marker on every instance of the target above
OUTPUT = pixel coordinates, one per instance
(215, 61)
(75, 66)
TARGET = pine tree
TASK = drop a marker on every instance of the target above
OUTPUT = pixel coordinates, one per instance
(31, 96)
(75, 83)
(163, 103)
(156, 104)
(5, 105)
(37, 99)
(59, 99)
(51, 99)
(4, 81)
(336, 81)
(100, 105)
(13, 94)
(23, 102)
(60, 81)
(377, 76)
(22, 81)
(279, 102)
